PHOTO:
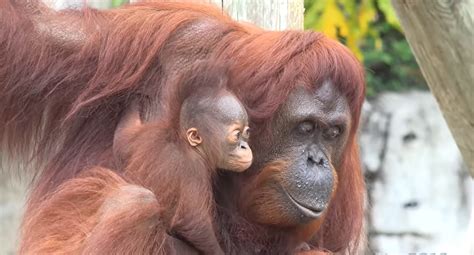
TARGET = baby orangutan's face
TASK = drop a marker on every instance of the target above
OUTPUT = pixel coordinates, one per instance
(238, 155)
(230, 135)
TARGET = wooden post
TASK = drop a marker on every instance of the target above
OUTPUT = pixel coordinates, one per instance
(441, 35)
(268, 14)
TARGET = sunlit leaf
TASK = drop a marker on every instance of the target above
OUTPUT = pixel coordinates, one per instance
(387, 9)
(365, 16)
(117, 3)
(378, 43)
(332, 21)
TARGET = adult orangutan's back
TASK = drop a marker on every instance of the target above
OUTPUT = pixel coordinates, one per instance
(67, 77)
(59, 68)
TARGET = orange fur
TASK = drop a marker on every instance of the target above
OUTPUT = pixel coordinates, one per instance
(62, 97)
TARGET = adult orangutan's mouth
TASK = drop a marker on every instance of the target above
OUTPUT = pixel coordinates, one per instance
(308, 211)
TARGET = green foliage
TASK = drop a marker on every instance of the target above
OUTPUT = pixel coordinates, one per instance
(371, 30)
(117, 3)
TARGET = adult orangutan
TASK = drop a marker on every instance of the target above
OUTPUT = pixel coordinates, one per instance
(67, 77)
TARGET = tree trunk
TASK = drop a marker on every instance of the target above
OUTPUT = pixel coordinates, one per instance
(268, 14)
(441, 35)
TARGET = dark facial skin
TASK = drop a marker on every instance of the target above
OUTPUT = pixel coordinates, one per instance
(309, 132)
(231, 134)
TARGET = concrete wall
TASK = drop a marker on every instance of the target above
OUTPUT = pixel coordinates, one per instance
(420, 195)
(12, 197)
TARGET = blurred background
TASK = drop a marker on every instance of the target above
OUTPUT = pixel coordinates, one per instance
(420, 196)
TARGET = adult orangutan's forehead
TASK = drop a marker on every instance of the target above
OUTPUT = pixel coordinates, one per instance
(326, 99)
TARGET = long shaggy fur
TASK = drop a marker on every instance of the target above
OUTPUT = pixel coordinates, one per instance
(75, 219)
(62, 95)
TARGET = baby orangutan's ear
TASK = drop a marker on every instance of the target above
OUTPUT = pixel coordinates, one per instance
(194, 139)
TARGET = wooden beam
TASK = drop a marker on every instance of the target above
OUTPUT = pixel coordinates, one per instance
(441, 35)
(268, 14)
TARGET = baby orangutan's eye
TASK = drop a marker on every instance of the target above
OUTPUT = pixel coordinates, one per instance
(234, 137)
(246, 133)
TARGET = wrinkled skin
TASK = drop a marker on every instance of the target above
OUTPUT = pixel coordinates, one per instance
(310, 132)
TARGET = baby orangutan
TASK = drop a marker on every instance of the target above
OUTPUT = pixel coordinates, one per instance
(161, 194)
(204, 128)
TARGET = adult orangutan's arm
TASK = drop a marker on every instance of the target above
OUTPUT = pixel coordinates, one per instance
(99, 213)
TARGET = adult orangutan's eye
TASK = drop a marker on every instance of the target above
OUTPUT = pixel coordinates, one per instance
(306, 127)
(332, 132)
